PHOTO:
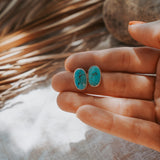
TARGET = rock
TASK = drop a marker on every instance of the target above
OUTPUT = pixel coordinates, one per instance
(117, 14)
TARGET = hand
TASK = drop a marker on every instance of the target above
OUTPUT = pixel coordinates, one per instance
(130, 106)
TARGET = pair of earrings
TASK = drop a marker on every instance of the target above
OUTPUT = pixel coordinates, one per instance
(80, 77)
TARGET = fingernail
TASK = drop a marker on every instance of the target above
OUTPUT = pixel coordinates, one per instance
(135, 22)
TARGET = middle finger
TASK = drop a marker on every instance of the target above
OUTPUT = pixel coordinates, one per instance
(112, 84)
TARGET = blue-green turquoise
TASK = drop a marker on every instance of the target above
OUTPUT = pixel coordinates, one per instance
(94, 76)
(80, 79)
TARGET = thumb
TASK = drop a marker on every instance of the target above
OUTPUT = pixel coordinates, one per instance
(146, 33)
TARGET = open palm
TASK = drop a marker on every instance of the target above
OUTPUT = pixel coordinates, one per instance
(130, 85)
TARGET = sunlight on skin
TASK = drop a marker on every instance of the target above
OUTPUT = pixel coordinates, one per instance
(133, 111)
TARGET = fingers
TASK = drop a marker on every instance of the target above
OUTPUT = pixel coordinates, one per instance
(146, 33)
(71, 101)
(157, 93)
(125, 59)
(135, 130)
(112, 84)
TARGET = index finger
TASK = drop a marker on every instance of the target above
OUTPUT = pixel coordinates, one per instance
(124, 59)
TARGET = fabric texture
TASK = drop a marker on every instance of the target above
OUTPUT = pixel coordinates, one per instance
(32, 127)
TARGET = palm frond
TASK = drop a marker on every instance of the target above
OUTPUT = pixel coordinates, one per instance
(36, 36)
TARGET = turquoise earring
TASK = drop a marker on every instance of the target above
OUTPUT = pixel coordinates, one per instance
(94, 76)
(80, 79)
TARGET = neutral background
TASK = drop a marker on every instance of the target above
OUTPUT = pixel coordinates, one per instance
(32, 127)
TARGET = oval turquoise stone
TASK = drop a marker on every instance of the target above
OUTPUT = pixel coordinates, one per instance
(80, 79)
(94, 76)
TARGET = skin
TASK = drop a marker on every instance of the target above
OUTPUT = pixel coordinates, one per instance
(129, 105)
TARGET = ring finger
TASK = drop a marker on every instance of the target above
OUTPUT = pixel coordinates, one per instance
(71, 101)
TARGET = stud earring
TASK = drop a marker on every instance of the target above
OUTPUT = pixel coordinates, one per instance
(94, 76)
(80, 79)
